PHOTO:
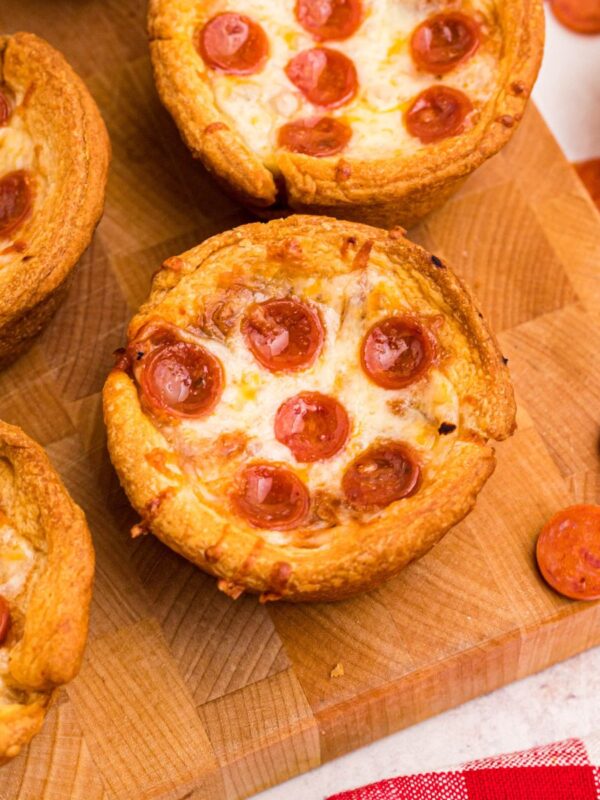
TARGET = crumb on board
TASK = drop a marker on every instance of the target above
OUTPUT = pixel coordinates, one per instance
(337, 671)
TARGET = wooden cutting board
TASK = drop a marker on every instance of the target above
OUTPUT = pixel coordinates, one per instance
(186, 694)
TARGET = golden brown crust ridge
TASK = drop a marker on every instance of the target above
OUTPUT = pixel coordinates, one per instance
(50, 649)
(357, 556)
(63, 117)
(383, 192)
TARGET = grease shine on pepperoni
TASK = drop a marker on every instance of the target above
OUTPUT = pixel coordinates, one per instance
(581, 16)
(397, 351)
(283, 334)
(4, 618)
(233, 43)
(270, 496)
(325, 77)
(568, 552)
(381, 475)
(319, 137)
(442, 42)
(437, 113)
(314, 426)
(329, 19)
(16, 201)
(180, 378)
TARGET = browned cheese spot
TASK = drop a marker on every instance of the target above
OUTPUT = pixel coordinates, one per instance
(213, 127)
(175, 264)
(230, 588)
(285, 250)
(213, 553)
(150, 512)
(507, 120)
(361, 259)
(343, 171)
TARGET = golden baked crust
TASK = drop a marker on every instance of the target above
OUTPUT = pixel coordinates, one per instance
(380, 191)
(60, 122)
(46, 640)
(358, 553)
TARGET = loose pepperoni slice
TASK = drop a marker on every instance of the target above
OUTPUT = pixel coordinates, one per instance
(177, 377)
(581, 16)
(233, 43)
(381, 475)
(319, 137)
(437, 113)
(16, 201)
(568, 552)
(325, 77)
(443, 41)
(313, 425)
(589, 172)
(6, 107)
(4, 618)
(284, 335)
(397, 351)
(329, 19)
(270, 496)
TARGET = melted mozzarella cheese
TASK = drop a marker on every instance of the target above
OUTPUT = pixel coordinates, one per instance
(258, 105)
(17, 558)
(252, 396)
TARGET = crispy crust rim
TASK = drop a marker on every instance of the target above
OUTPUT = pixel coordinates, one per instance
(50, 650)
(61, 112)
(383, 192)
(359, 556)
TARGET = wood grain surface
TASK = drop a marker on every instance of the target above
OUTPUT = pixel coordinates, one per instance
(186, 694)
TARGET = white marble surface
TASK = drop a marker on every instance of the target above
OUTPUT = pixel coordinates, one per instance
(559, 702)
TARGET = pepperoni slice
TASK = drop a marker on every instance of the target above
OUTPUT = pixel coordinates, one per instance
(4, 618)
(444, 41)
(16, 201)
(437, 113)
(6, 107)
(270, 496)
(319, 137)
(581, 16)
(325, 77)
(313, 425)
(589, 172)
(329, 19)
(568, 552)
(233, 43)
(381, 475)
(397, 351)
(177, 377)
(284, 335)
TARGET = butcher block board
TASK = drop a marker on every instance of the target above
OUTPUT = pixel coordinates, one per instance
(185, 693)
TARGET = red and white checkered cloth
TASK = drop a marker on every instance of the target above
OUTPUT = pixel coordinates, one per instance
(568, 770)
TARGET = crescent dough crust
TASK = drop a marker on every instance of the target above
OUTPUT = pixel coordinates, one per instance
(384, 191)
(57, 134)
(311, 258)
(46, 573)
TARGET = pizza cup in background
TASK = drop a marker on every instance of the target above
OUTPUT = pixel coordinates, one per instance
(54, 155)
(46, 573)
(303, 407)
(370, 110)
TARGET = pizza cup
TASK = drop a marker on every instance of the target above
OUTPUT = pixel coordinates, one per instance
(46, 572)
(54, 155)
(303, 406)
(363, 109)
